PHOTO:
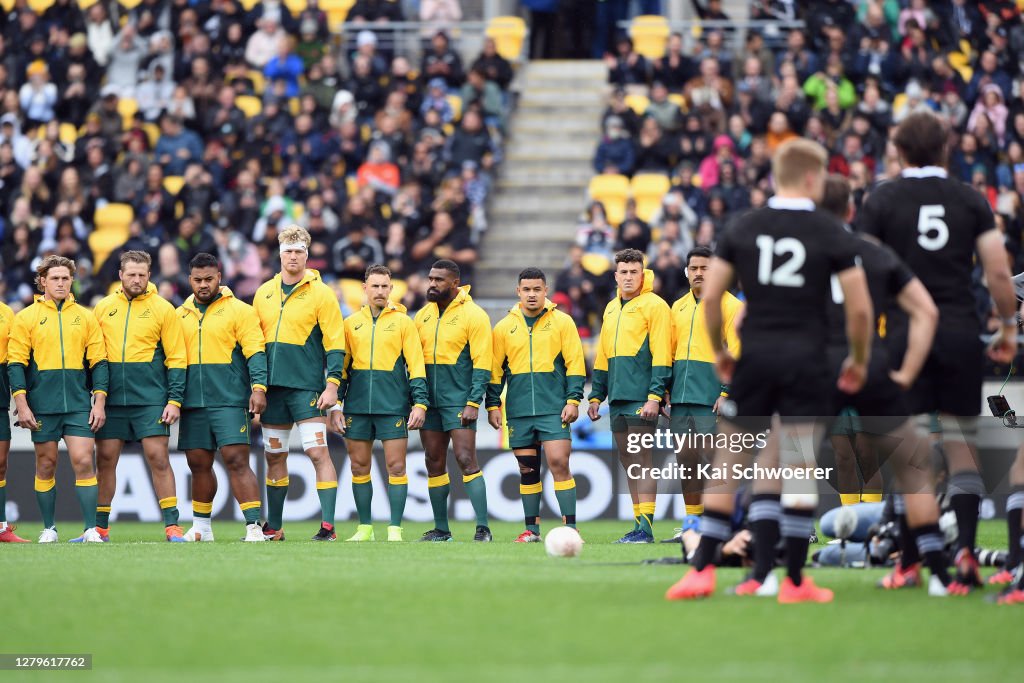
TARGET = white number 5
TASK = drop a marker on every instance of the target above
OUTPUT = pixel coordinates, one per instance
(933, 233)
(788, 272)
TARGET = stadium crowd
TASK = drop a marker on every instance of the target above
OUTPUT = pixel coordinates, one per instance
(209, 127)
(708, 114)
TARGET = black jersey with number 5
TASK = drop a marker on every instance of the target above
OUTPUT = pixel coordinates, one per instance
(784, 256)
(932, 222)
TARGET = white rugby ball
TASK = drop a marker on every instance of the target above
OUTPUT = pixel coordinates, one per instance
(563, 541)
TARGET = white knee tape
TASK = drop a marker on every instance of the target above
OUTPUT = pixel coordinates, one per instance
(276, 440)
(803, 501)
(313, 434)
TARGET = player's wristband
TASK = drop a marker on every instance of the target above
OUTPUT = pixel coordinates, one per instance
(334, 408)
(1009, 322)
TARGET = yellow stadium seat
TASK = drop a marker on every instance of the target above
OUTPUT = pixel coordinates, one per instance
(337, 11)
(398, 290)
(40, 6)
(86, 4)
(638, 103)
(696, 180)
(68, 133)
(508, 33)
(113, 217)
(966, 72)
(679, 101)
(650, 35)
(351, 185)
(612, 191)
(648, 191)
(129, 4)
(296, 7)
(250, 106)
(595, 264)
(7, 5)
(294, 106)
(957, 59)
(103, 243)
(248, 4)
(126, 107)
(152, 132)
(258, 81)
(456, 104)
(899, 102)
(173, 184)
(352, 293)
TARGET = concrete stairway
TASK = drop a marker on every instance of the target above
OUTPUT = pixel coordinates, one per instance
(543, 181)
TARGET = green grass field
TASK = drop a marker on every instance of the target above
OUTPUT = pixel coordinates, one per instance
(295, 611)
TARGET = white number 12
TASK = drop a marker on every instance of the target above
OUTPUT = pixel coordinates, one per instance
(788, 272)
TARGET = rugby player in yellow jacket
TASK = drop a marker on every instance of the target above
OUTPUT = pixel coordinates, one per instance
(456, 338)
(538, 353)
(50, 344)
(695, 391)
(226, 380)
(304, 333)
(7, 534)
(146, 356)
(631, 371)
(384, 376)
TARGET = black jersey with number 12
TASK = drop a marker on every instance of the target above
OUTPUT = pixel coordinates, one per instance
(932, 222)
(784, 256)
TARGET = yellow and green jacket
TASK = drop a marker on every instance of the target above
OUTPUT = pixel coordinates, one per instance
(47, 353)
(542, 365)
(225, 350)
(634, 352)
(303, 331)
(145, 349)
(6, 320)
(384, 371)
(693, 378)
(456, 350)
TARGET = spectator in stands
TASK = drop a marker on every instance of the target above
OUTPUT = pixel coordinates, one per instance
(495, 67)
(668, 271)
(265, 43)
(155, 93)
(366, 44)
(990, 105)
(376, 12)
(99, 33)
(486, 95)
(594, 234)
(633, 233)
(471, 142)
(709, 93)
(38, 96)
(436, 99)
(615, 153)
(710, 167)
(617, 106)
(543, 27)
(820, 84)
(125, 59)
(663, 110)
(654, 152)
(441, 61)
(354, 253)
(797, 54)
(379, 172)
(285, 66)
(439, 15)
(177, 146)
(675, 68)
(626, 66)
(366, 88)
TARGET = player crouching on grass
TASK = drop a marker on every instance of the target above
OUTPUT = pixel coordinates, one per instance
(538, 352)
(146, 354)
(225, 382)
(384, 373)
(7, 534)
(304, 334)
(51, 341)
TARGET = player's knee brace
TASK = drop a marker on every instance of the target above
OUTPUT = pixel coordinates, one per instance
(276, 440)
(313, 435)
(530, 463)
